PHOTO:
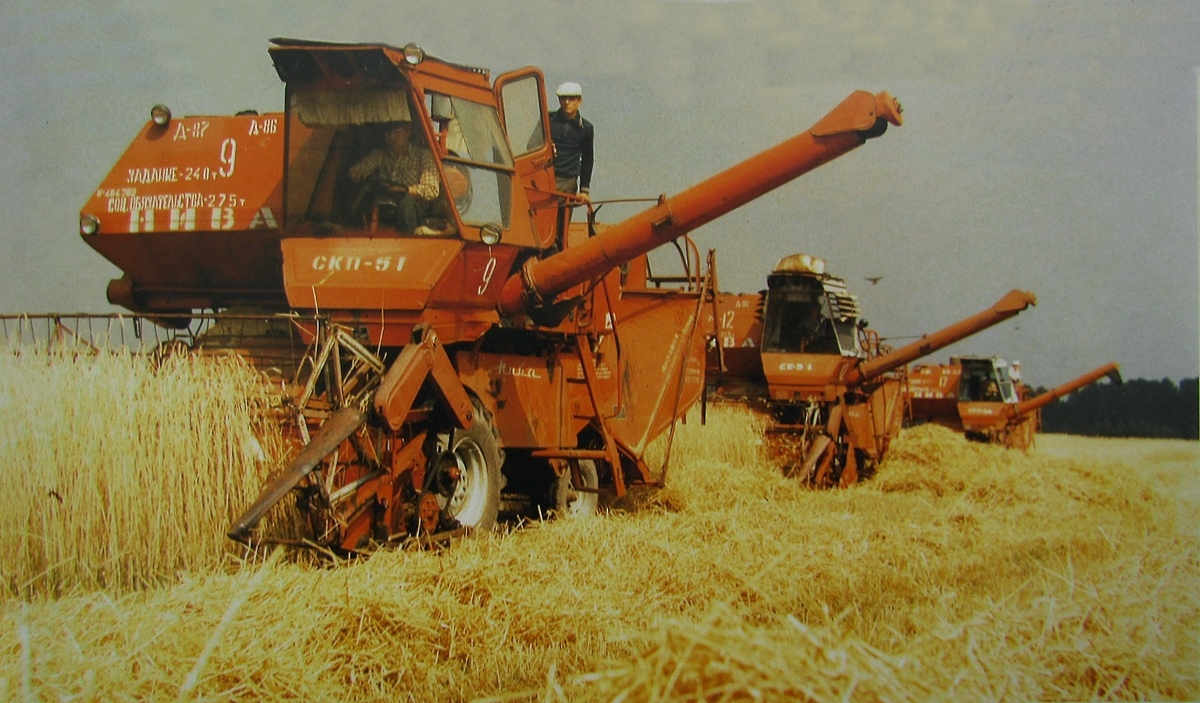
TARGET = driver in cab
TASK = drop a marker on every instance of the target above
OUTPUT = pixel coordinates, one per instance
(401, 179)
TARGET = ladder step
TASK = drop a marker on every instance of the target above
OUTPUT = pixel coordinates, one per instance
(570, 454)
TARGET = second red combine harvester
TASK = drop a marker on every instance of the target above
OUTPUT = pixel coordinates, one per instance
(978, 396)
(482, 350)
(802, 352)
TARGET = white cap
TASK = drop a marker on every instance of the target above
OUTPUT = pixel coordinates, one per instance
(569, 88)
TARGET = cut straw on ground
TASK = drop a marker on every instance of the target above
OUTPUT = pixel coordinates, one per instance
(960, 572)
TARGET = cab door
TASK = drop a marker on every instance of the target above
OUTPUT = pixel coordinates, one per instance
(521, 96)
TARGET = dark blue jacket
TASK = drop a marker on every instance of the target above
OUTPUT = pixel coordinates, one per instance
(573, 155)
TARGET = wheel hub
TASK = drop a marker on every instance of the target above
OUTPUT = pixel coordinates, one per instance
(429, 512)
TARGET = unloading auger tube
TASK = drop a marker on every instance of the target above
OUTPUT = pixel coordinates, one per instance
(1027, 406)
(1012, 303)
(859, 117)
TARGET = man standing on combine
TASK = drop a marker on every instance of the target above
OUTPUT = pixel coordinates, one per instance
(572, 137)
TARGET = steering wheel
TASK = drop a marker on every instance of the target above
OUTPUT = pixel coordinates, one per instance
(373, 191)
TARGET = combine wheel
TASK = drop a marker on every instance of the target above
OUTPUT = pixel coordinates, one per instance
(571, 503)
(470, 478)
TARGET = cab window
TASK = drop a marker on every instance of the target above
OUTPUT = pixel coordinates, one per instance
(476, 158)
(333, 131)
(523, 114)
(984, 383)
(795, 323)
(799, 318)
(1008, 390)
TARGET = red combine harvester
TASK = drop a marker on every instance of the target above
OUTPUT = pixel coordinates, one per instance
(803, 353)
(978, 396)
(486, 349)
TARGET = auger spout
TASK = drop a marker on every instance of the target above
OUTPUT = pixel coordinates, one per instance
(1027, 406)
(859, 117)
(1012, 303)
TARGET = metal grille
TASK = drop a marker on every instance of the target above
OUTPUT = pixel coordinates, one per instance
(842, 303)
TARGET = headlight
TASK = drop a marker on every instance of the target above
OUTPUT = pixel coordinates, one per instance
(414, 54)
(489, 234)
(161, 114)
(88, 225)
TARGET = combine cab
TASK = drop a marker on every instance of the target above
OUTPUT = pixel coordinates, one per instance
(978, 396)
(470, 352)
(834, 393)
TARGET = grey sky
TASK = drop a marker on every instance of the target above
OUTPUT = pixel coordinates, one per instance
(1048, 146)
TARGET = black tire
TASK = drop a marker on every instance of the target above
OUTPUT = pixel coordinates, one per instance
(570, 503)
(475, 499)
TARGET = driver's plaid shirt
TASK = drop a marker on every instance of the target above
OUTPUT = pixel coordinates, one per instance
(415, 169)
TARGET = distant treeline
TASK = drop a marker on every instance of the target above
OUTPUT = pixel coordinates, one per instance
(1137, 408)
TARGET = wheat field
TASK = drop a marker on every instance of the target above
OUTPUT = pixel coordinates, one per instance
(960, 572)
(115, 469)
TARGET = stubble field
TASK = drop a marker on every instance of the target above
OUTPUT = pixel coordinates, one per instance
(960, 572)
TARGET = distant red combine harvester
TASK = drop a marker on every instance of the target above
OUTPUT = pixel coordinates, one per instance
(978, 396)
(802, 352)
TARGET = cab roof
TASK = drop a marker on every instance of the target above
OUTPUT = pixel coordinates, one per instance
(354, 65)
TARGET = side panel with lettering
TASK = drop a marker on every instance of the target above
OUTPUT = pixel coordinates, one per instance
(524, 394)
(364, 273)
(220, 173)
